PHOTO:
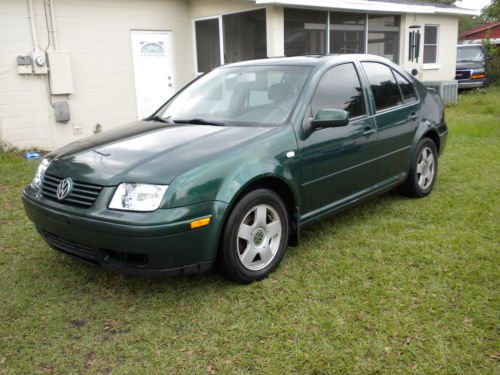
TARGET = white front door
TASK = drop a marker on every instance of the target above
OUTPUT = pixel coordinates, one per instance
(154, 81)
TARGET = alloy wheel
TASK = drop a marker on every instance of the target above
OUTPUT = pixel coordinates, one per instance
(259, 237)
(425, 168)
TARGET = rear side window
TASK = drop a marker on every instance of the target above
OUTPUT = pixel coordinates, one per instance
(340, 88)
(407, 89)
(384, 87)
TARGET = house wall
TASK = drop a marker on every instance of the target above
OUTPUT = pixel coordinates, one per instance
(444, 69)
(97, 35)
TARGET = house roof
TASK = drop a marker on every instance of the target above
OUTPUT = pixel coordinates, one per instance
(486, 26)
(385, 6)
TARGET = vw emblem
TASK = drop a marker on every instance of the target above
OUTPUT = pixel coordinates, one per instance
(64, 188)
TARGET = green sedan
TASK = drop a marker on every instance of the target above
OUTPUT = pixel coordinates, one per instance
(232, 167)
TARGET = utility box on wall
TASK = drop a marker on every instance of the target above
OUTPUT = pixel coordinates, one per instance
(60, 75)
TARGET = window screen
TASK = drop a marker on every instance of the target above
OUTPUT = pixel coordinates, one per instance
(409, 94)
(244, 36)
(347, 32)
(340, 88)
(207, 44)
(383, 36)
(430, 44)
(384, 87)
(305, 32)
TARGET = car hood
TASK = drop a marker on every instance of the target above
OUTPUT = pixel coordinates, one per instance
(469, 65)
(146, 152)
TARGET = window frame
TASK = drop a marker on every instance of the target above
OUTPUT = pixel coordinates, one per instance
(372, 97)
(433, 63)
(361, 82)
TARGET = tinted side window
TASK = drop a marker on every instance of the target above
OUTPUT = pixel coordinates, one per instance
(384, 87)
(340, 88)
(409, 94)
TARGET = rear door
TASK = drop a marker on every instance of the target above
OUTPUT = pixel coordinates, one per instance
(397, 115)
(338, 163)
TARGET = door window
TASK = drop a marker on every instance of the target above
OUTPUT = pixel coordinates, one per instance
(340, 88)
(407, 89)
(384, 87)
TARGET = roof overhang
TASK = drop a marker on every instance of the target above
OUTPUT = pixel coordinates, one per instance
(372, 6)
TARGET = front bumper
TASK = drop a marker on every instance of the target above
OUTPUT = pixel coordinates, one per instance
(472, 83)
(162, 245)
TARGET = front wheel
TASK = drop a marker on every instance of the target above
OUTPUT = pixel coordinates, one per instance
(255, 237)
(423, 170)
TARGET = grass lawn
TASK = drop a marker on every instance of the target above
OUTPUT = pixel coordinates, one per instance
(395, 285)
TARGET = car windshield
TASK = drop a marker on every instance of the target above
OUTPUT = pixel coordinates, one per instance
(243, 96)
(470, 54)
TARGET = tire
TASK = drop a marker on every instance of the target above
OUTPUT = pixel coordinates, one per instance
(423, 170)
(255, 237)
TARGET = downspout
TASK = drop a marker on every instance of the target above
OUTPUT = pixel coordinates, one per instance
(32, 22)
(53, 24)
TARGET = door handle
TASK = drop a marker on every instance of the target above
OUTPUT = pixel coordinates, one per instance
(413, 116)
(368, 131)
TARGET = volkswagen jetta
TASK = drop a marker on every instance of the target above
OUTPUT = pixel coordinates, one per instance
(236, 163)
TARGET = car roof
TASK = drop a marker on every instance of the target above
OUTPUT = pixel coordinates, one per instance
(309, 60)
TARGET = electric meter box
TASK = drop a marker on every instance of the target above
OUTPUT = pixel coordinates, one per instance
(60, 75)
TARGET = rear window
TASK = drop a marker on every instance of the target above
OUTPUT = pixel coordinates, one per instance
(384, 87)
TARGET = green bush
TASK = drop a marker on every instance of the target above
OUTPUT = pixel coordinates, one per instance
(494, 64)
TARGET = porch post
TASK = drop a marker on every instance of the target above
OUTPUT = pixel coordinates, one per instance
(275, 30)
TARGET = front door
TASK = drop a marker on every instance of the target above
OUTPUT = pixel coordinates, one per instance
(154, 82)
(338, 163)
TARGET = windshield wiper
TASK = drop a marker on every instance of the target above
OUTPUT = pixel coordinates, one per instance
(467, 60)
(199, 121)
(159, 119)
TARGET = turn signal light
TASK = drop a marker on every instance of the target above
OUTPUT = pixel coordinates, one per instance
(200, 223)
(478, 76)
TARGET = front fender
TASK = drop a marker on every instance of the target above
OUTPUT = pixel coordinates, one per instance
(223, 178)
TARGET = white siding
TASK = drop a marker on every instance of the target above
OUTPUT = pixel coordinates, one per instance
(97, 35)
(444, 69)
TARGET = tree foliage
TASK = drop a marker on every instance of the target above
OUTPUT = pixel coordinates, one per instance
(491, 12)
(443, 2)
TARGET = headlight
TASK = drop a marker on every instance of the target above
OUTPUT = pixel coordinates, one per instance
(477, 71)
(40, 171)
(138, 197)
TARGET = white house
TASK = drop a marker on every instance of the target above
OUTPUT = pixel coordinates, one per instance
(68, 65)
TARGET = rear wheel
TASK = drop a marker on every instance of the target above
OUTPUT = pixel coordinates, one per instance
(255, 238)
(423, 170)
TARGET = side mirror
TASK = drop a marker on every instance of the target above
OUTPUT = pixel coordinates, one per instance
(489, 57)
(330, 118)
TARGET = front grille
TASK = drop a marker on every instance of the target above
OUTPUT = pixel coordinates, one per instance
(72, 248)
(462, 74)
(82, 195)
